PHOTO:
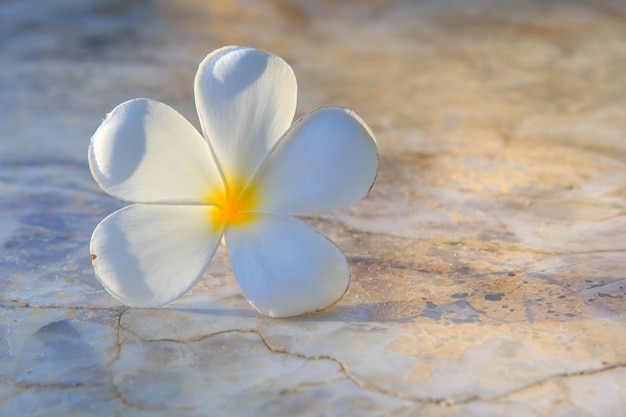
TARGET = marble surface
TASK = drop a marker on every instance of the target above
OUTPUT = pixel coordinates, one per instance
(488, 262)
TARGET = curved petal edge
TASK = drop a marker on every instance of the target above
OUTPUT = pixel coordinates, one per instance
(246, 99)
(149, 255)
(286, 267)
(147, 152)
(325, 161)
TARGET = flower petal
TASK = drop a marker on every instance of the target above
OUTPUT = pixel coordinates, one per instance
(327, 160)
(149, 255)
(286, 267)
(145, 151)
(246, 100)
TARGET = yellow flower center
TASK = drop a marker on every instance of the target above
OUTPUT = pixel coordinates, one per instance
(233, 205)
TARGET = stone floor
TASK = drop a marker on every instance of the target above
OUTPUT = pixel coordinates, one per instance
(488, 262)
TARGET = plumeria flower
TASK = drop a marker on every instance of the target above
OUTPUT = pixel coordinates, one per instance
(241, 186)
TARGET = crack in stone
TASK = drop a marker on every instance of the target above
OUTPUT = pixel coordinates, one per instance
(360, 382)
(548, 379)
(116, 357)
(118, 352)
(443, 402)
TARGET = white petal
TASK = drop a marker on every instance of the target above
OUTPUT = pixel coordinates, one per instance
(149, 255)
(327, 160)
(246, 100)
(286, 267)
(145, 151)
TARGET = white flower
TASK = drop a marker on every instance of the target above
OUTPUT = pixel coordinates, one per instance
(243, 183)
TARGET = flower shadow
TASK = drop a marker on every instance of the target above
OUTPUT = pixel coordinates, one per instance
(248, 71)
(127, 154)
(128, 265)
(245, 313)
(337, 313)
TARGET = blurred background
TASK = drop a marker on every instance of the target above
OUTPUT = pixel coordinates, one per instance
(431, 67)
